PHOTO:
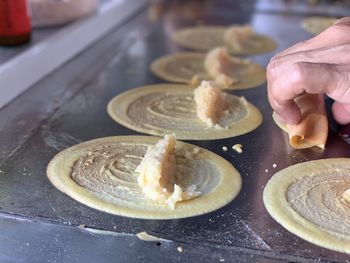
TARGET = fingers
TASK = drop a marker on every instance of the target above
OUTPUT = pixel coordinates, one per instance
(330, 55)
(287, 111)
(310, 78)
(316, 66)
(301, 77)
(336, 35)
(341, 112)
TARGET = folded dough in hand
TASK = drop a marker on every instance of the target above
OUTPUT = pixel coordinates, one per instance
(312, 130)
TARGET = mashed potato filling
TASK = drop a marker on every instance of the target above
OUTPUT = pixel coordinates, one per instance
(238, 36)
(211, 102)
(157, 174)
(221, 66)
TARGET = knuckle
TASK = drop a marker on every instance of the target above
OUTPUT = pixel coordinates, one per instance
(343, 21)
(345, 48)
(276, 106)
(342, 82)
(273, 97)
(301, 44)
(272, 67)
(341, 26)
(297, 73)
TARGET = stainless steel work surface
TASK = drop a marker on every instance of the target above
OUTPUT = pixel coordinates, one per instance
(69, 106)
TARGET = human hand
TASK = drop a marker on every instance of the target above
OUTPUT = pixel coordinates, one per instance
(320, 65)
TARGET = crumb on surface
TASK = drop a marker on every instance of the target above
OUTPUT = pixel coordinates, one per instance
(266, 170)
(274, 165)
(238, 148)
(180, 249)
(224, 148)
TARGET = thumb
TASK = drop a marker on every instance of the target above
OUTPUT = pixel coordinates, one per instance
(341, 112)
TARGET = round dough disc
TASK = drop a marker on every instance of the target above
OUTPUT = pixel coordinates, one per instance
(316, 24)
(170, 108)
(280, 125)
(100, 174)
(306, 199)
(205, 38)
(181, 67)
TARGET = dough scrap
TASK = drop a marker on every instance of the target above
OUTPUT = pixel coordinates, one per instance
(188, 67)
(170, 108)
(101, 174)
(307, 200)
(238, 148)
(211, 102)
(144, 236)
(313, 127)
(205, 38)
(316, 24)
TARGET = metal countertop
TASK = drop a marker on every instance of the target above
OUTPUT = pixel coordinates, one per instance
(39, 223)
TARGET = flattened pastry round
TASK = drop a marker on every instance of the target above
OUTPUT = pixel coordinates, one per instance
(170, 108)
(205, 38)
(181, 67)
(306, 199)
(316, 24)
(100, 174)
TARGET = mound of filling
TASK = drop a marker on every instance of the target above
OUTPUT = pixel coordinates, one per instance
(346, 196)
(221, 66)
(211, 102)
(157, 174)
(237, 37)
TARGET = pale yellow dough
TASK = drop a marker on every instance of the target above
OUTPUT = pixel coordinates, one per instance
(188, 67)
(170, 108)
(316, 24)
(100, 174)
(307, 200)
(205, 38)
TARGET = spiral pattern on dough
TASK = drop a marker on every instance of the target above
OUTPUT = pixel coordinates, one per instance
(170, 108)
(318, 198)
(308, 200)
(200, 38)
(188, 67)
(108, 171)
(100, 174)
(177, 112)
(205, 38)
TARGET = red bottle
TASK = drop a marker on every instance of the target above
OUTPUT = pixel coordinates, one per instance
(15, 27)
